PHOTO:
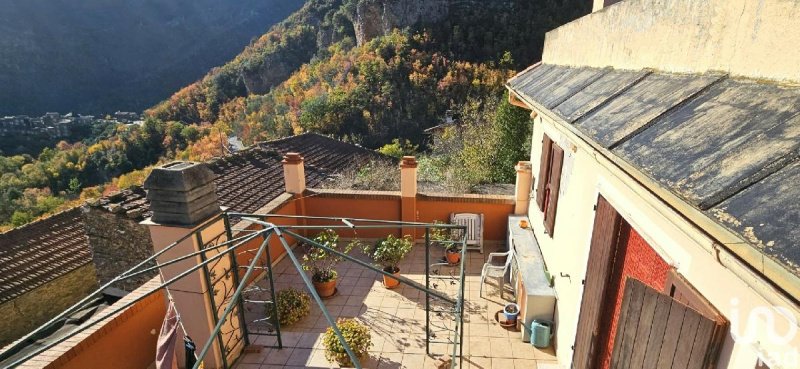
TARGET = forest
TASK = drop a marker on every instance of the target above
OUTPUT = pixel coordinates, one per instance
(308, 74)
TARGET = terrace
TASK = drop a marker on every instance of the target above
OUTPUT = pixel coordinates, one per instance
(221, 271)
(397, 320)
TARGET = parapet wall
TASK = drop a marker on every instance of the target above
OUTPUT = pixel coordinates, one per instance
(746, 38)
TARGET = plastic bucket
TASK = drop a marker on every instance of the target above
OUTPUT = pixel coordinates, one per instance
(541, 333)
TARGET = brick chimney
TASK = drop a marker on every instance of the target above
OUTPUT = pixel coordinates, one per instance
(522, 189)
(183, 200)
(294, 173)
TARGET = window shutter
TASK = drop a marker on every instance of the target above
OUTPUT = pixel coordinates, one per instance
(656, 331)
(544, 171)
(553, 185)
(598, 268)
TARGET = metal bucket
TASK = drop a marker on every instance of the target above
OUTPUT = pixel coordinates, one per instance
(541, 333)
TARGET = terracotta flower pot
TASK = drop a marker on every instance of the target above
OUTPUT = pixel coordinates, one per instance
(453, 256)
(325, 289)
(390, 282)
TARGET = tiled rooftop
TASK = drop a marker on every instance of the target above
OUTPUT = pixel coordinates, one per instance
(396, 319)
(39, 252)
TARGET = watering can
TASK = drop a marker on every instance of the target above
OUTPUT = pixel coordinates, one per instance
(541, 333)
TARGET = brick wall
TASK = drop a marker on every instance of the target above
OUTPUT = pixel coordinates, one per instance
(634, 259)
(34, 308)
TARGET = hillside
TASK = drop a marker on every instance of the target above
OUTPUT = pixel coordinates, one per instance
(374, 72)
(309, 72)
(94, 56)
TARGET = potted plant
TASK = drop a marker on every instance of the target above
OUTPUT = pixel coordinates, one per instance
(388, 253)
(511, 311)
(443, 237)
(293, 305)
(321, 263)
(355, 334)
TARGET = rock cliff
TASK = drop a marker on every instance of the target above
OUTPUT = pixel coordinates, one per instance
(374, 18)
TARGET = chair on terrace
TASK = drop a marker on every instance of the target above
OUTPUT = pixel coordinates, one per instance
(497, 267)
(474, 224)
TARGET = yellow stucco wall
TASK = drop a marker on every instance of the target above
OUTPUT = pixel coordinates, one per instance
(749, 38)
(36, 307)
(586, 174)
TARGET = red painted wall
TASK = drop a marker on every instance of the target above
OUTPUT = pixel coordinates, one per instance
(634, 259)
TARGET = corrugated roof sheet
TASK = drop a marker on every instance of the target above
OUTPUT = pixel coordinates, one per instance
(726, 146)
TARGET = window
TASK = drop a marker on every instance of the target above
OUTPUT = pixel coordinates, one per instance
(549, 182)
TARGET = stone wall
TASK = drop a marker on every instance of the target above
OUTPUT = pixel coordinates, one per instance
(36, 307)
(118, 243)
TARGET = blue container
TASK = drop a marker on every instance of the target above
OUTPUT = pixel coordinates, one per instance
(541, 333)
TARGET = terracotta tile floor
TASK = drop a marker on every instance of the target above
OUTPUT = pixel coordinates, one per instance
(397, 322)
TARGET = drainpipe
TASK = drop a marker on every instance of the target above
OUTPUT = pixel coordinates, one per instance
(183, 200)
(522, 189)
(408, 193)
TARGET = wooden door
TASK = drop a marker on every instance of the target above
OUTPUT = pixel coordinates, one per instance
(656, 331)
(598, 270)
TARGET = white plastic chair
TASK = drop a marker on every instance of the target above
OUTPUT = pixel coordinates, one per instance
(474, 224)
(496, 268)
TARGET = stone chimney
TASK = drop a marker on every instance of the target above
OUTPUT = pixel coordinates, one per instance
(294, 173)
(182, 193)
(522, 189)
(183, 200)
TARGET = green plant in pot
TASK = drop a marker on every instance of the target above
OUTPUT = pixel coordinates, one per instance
(388, 253)
(322, 263)
(355, 334)
(293, 305)
(443, 237)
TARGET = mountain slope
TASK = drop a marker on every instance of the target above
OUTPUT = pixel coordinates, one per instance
(96, 56)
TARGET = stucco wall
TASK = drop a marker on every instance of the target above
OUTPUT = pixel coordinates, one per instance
(36, 307)
(126, 340)
(682, 245)
(751, 38)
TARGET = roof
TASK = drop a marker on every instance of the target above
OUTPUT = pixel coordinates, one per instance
(325, 153)
(249, 179)
(728, 147)
(42, 251)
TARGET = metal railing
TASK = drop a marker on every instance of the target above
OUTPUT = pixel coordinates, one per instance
(230, 247)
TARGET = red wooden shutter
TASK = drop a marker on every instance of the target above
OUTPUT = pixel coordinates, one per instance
(656, 331)
(553, 185)
(544, 172)
(604, 240)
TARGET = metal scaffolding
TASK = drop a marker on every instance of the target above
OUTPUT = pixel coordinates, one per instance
(444, 291)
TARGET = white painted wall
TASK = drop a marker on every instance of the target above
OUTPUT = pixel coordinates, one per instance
(586, 174)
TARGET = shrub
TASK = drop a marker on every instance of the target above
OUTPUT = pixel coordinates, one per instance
(355, 334)
(293, 305)
(389, 251)
(320, 262)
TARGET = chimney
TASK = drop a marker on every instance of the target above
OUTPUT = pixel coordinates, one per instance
(294, 173)
(522, 189)
(408, 193)
(183, 200)
(408, 177)
(182, 193)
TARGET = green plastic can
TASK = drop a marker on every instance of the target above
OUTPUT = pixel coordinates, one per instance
(541, 333)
